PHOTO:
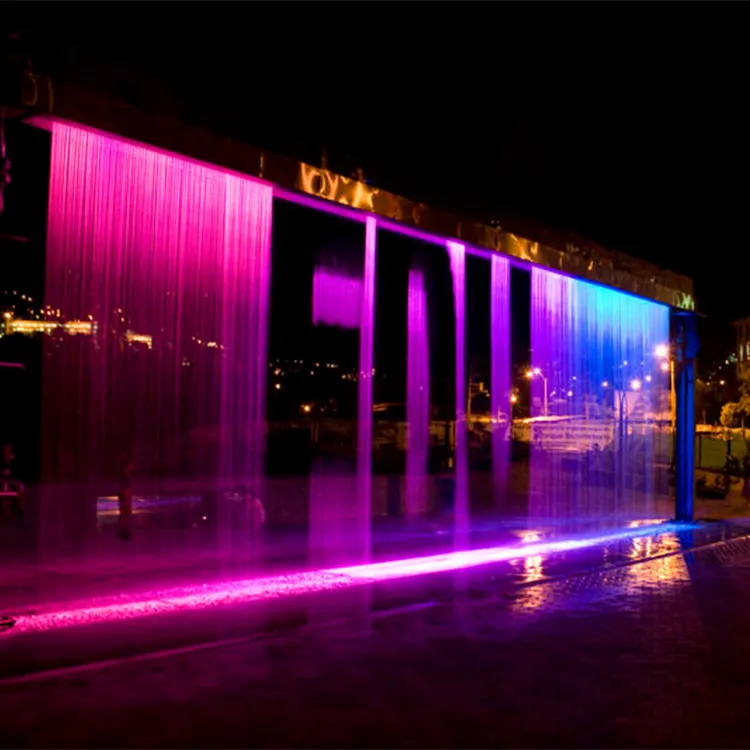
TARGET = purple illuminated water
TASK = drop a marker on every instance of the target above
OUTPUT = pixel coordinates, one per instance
(457, 255)
(417, 396)
(340, 504)
(500, 394)
(168, 262)
(337, 299)
(596, 452)
(364, 417)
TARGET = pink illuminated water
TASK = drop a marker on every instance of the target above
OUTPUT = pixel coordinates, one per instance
(169, 261)
(337, 299)
(364, 416)
(457, 255)
(340, 504)
(417, 396)
(500, 364)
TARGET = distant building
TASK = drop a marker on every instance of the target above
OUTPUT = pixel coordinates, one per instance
(743, 347)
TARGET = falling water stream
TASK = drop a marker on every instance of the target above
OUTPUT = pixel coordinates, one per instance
(595, 382)
(417, 396)
(164, 264)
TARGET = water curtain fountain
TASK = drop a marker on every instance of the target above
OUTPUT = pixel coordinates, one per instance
(596, 385)
(500, 380)
(457, 255)
(168, 263)
(340, 504)
(417, 396)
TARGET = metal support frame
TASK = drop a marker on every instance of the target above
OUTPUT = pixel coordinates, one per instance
(687, 345)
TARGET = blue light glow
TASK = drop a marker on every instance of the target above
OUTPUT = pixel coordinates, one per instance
(597, 391)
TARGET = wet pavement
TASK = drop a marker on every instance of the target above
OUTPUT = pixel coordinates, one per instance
(646, 648)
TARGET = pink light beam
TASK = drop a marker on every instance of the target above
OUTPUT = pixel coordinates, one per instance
(262, 589)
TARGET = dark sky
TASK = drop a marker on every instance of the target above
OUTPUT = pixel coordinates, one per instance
(621, 122)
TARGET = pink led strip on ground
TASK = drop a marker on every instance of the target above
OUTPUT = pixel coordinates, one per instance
(241, 592)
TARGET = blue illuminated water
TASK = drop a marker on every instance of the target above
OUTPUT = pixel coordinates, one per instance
(601, 448)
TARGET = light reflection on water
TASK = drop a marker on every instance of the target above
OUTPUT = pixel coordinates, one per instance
(669, 567)
(668, 570)
(532, 569)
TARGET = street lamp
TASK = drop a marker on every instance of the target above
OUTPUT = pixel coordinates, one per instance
(664, 353)
(537, 373)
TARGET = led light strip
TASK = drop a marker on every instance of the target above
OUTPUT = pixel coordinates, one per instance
(208, 596)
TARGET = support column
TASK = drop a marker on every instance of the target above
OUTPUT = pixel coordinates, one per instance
(687, 345)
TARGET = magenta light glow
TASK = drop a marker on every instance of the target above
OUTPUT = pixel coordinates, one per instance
(457, 255)
(263, 589)
(139, 240)
(417, 396)
(500, 371)
(337, 299)
(364, 416)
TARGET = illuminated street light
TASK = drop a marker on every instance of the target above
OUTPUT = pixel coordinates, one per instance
(605, 384)
(663, 351)
(537, 373)
(636, 385)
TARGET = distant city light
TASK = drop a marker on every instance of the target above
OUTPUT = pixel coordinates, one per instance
(605, 384)
(636, 385)
(648, 378)
(665, 367)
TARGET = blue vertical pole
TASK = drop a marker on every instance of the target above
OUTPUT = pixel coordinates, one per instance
(687, 345)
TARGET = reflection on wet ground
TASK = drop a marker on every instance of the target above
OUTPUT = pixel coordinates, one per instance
(185, 615)
(551, 652)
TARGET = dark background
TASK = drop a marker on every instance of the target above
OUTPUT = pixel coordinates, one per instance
(622, 123)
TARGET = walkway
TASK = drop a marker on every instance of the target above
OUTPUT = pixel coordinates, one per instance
(652, 654)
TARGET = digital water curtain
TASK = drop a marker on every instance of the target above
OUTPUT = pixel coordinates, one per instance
(340, 503)
(417, 395)
(165, 264)
(500, 376)
(457, 256)
(598, 450)
(161, 266)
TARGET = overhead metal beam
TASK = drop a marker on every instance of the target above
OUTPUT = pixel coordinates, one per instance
(581, 259)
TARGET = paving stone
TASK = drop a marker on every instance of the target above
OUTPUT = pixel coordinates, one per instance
(654, 654)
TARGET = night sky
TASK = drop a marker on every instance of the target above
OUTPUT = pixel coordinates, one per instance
(622, 123)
